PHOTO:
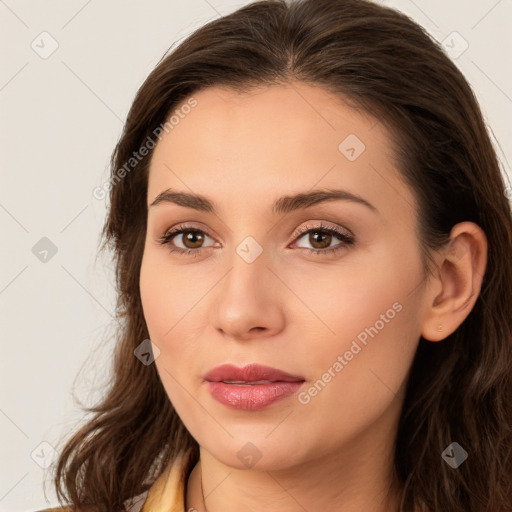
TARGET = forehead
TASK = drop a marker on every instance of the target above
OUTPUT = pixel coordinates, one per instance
(296, 111)
(275, 139)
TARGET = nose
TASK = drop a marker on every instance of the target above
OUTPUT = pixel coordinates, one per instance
(248, 301)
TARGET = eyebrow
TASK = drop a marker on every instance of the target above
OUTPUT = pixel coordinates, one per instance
(284, 204)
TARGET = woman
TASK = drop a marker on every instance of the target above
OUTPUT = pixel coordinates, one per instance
(313, 242)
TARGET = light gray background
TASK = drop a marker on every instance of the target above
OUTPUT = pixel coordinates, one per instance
(61, 117)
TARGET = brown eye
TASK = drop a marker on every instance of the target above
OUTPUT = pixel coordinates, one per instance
(320, 238)
(192, 239)
(317, 237)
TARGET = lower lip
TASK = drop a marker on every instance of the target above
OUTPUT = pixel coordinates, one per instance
(251, 397)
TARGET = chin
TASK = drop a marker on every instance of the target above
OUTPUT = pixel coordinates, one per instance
(257, 452)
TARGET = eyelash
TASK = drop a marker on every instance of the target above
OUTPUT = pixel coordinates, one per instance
(346, 239)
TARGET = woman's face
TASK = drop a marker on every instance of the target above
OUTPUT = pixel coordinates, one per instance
(257, 279)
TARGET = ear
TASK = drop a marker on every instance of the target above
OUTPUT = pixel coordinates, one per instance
(452, 293)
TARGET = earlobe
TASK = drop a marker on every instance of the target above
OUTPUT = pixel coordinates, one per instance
(457, 283)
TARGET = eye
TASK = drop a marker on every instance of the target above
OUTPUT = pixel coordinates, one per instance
(191, 241)
(319, 235)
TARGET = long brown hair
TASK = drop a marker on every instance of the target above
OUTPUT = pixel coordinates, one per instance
(459, 389)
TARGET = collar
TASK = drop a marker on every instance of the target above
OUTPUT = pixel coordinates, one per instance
(167, 494)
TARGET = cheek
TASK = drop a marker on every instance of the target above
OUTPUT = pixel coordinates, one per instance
(165, 317)
(151, 290)
(172, 311)
(167, 296)
(366, 293)
(371, 331)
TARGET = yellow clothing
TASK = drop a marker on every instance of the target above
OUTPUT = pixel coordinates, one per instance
(167, 494)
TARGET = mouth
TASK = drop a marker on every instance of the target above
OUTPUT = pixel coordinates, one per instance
(252, 387)
(247, 383)
(252, 373)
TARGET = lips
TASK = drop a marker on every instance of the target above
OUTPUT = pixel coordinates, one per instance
(252, 387)
(251, 374)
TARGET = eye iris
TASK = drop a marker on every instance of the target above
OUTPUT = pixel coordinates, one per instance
(195, 237)
(315, 234)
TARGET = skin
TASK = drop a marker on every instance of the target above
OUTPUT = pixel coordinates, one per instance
(290, 309)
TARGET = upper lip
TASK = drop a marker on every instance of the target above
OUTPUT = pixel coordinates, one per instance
(250, 373)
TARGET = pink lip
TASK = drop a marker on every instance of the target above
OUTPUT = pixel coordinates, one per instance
(243, 394)
(250, 373)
